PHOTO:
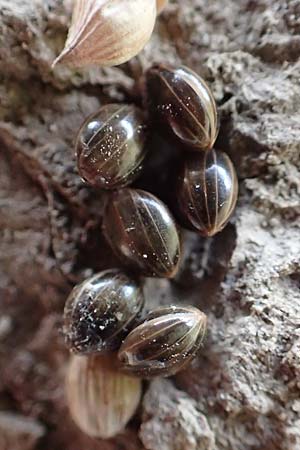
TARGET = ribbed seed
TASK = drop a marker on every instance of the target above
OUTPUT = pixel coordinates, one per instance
(110, 146)
(182, 98)
(164, 343)
(207, 191)
(142, 233)
(101, 399)
(101, 311)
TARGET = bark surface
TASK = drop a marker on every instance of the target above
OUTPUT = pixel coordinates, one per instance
(243, 390)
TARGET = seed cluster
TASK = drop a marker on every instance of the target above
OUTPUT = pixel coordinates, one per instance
(105, 313)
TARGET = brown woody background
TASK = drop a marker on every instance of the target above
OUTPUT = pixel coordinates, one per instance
(243, 391)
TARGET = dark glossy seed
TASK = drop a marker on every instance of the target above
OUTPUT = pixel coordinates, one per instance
(142, 233)
(100, 312)
(110, 146)
(180, 97)
(163, 344)
(207, 191)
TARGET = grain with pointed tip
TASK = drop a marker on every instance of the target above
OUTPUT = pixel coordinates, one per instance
(142, 232)
(107, 32)
(110, 146)
(182, 99)
(101, 399)
(207, 190)
(164, 343)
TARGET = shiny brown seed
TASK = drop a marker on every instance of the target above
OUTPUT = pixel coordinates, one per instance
(163, 344)
(207, 191)
(142, 233)
(101, 399)
(100, 312)
(110, 146)
(180, 97)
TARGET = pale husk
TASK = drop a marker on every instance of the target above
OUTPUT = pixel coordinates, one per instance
(107, 32)
(101, 399)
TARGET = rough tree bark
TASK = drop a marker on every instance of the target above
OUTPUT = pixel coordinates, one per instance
(243, 391)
